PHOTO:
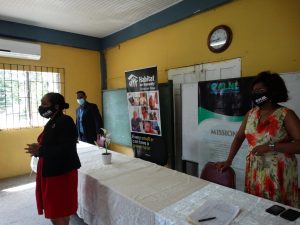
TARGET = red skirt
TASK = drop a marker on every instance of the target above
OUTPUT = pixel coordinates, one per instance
(56, 196)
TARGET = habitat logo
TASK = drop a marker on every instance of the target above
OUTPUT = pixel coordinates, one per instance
(145, 79)
(132, 80)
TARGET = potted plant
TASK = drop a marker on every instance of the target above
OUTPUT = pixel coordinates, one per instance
(103, 141)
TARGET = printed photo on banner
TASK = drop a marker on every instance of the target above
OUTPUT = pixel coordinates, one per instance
(143, 98)
(145, 114)
(136, 121)
(133, 99)
(143, 120)
(154, 115)
(153, 101)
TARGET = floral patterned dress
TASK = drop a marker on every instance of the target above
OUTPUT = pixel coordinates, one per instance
(273, 175)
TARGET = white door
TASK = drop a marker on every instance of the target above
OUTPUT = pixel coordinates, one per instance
(222, 70)
(194, 74)
(179, 77)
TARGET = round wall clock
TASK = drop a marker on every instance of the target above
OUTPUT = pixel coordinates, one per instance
(219, 38)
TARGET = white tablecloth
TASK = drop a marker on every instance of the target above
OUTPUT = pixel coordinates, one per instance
(252, 208)
(131, 191)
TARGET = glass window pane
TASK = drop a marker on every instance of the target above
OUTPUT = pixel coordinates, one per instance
(21, 90)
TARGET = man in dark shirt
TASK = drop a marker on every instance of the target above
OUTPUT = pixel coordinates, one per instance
(136, 122)
(88, 119)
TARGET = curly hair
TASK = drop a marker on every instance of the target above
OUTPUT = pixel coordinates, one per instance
(275, 86)
(57, 99)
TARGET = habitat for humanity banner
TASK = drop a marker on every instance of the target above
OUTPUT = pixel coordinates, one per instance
(144, 113)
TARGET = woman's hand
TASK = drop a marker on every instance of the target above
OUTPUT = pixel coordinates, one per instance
(223, 165)
(260, 150)
(33, 149)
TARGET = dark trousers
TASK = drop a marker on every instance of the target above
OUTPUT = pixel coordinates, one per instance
(84, 138)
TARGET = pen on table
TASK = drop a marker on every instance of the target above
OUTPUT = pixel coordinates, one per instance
(207, 219)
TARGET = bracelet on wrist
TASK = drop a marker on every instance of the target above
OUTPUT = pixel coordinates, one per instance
(272, 147)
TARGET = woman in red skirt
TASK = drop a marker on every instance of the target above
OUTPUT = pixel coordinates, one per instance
(57, 178)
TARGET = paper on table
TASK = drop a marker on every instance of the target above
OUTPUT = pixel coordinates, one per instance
(224, 213)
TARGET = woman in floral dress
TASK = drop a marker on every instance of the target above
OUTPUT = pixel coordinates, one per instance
(273, 135)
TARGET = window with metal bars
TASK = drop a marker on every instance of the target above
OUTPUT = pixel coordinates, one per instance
(21, 90)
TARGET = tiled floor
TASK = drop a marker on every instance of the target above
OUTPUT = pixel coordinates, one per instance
(19, 207)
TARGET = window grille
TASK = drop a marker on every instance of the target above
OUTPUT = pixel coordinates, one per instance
(21, 90)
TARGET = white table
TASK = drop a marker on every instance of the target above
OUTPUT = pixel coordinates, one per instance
(131, 191)
(252, 208)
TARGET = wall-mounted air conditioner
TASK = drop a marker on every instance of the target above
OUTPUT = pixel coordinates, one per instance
(19, 49)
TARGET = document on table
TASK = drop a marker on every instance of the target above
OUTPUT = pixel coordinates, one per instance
(223, 212)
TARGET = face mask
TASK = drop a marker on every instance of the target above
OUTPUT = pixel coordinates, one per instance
(46, 112)
(81, 101)
(260, 99)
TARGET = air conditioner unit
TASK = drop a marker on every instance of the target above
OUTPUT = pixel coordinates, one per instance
(19, 49)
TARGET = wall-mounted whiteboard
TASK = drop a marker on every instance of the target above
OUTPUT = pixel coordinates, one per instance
(194, 149)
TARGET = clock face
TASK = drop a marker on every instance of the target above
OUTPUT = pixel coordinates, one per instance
(219, 38)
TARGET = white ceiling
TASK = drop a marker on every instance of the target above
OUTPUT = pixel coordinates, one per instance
(97, 18)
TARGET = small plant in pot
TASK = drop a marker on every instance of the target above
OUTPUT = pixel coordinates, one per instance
(103, 141)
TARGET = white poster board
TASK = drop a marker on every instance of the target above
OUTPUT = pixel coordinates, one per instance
(194, 149)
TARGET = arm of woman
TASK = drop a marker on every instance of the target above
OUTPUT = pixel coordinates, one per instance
(292, 124)
(235, 145)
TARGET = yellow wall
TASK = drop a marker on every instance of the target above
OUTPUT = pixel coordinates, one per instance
(82, 71)
(265, 36)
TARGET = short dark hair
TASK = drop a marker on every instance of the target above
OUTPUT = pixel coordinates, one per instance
(275, 86)
(81, 92)
(57, 99)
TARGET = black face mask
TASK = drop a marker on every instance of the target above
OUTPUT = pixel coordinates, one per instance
(46, 112)
(260, 99)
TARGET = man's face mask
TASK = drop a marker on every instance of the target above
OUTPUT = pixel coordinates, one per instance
(260, 98)
(80, 101)
(46, 112)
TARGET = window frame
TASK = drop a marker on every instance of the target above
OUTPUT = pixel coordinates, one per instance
(21, 89)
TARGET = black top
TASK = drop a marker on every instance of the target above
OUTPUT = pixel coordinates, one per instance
(59, 146)
(91, 121)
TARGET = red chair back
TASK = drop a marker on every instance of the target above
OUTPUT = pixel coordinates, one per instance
(225, 178)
